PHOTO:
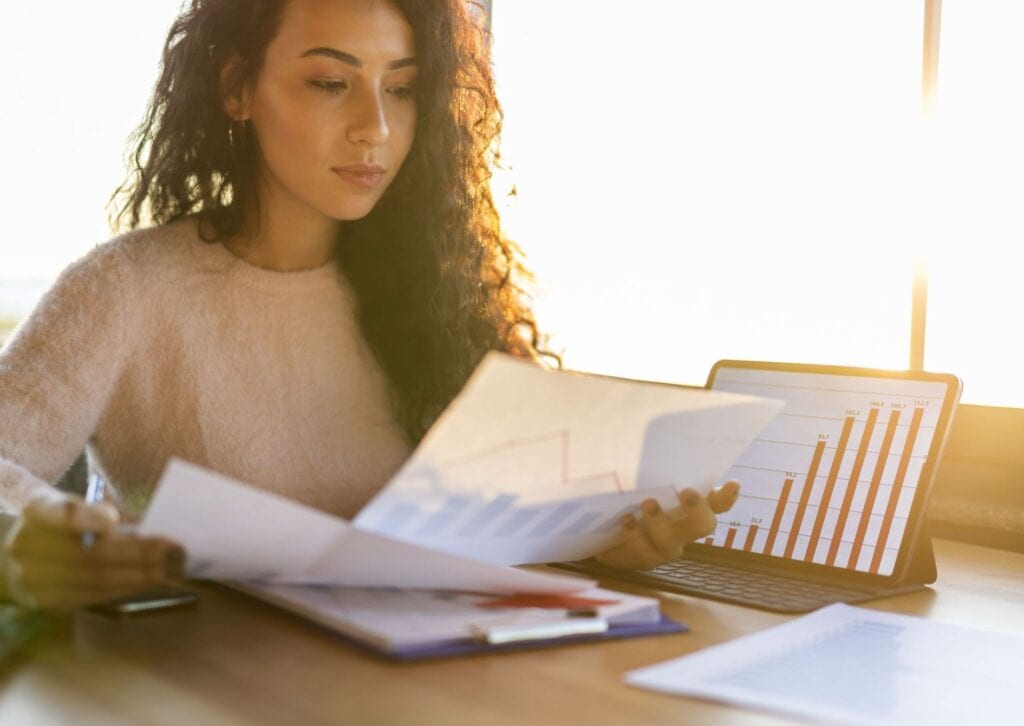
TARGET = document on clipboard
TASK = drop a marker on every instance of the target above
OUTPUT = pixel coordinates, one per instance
(421, 624)
(398, 599)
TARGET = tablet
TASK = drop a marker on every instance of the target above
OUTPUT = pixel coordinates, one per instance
(840, 480)
(833, 493)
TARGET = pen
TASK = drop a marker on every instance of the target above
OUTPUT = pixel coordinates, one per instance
(542, 629)
(93, 494)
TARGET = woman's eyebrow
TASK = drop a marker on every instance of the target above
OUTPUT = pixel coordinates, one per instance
(351, 60)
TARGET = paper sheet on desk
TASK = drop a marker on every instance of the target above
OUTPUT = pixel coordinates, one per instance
(235, 532)
(530, 465)
(853, 665)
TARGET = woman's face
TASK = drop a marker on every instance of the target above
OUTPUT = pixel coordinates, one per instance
(333, 107)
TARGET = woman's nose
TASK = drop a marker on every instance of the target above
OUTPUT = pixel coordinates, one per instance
(369, 124)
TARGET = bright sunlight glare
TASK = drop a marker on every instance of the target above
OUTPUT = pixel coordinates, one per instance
(75, 78)
(695, 179)
(977, 258)
(699, 179)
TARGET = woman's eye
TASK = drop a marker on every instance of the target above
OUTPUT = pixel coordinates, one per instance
(402, 92)
(326, 86)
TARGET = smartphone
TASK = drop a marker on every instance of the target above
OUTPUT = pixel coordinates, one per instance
(156, 600)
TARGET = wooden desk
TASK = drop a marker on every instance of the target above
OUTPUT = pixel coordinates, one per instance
(234, 660)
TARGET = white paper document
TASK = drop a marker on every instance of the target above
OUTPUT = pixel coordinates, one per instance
(530, 465)
(236, 532)
(852, 665)
(526, 465)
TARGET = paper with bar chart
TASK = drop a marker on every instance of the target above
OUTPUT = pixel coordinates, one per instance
(529, 465)
(831, 480)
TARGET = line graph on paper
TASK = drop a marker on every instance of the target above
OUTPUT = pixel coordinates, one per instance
(536, 461)
(832, 479)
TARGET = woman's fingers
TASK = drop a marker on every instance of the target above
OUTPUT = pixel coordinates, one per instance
(47, 564)
(645, 554)
(661, 530)
(51, 568)
(55, 586)
(635, 552)
(722, 498)
(61, 576)
(61, 597)
(71, 514)
(154, 551)
(661, 537)
(34, 542)
(644, 544)
(698, 518)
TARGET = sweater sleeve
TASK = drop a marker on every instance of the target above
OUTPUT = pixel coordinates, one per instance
(57, 374)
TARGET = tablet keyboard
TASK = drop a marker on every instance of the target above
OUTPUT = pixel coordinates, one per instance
(744, 587)
(749, 587)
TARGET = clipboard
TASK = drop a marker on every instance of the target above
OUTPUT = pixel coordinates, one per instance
(421, 625)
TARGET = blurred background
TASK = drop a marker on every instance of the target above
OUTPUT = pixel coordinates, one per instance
(693, 179)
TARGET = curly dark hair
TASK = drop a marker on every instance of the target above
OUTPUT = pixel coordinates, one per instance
(438, 283)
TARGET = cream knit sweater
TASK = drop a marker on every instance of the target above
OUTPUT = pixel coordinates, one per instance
(157, 344)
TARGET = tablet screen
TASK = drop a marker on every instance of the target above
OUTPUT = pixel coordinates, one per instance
(833, 479)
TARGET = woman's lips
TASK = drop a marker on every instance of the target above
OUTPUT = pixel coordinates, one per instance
(366, 176)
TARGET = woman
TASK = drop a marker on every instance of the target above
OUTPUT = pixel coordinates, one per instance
(323, 268)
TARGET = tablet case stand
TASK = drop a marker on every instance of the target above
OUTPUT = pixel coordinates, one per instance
(921, 570)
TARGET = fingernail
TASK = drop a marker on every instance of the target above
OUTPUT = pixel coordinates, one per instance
(652, 507)
(174, 563)
(629, 521)
(691, 500)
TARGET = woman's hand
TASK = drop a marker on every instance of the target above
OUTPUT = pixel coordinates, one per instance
(660, 536)
(45, 563)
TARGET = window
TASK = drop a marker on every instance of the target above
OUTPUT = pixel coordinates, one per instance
(71, 97)
(977, 258)
(695, 178)
(715, 178)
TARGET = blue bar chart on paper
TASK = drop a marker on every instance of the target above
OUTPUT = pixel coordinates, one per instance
(489, 522)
